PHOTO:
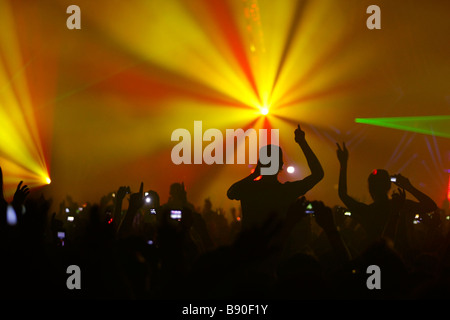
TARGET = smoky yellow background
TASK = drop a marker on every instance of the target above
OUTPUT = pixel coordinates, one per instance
(94, 108)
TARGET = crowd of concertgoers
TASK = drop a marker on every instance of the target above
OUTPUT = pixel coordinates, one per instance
(276, 245)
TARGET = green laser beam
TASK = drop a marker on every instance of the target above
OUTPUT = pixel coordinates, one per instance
(437, 125)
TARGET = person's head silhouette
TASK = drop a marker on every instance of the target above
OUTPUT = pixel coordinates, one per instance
(379, 184)
(154, 198)
(207, 206)
(177, 192)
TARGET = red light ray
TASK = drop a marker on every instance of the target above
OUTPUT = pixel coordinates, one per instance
(225, 20)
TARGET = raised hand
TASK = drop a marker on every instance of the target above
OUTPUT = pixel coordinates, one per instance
(342, 153)
(120, 194)
(402, 182)
(299, 134)
(426, 204)
(20, 194)
(136, 202)
(137, 199)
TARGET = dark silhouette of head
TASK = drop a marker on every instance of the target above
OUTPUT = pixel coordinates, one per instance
(154, 196)
(207, 205)
(177, 193)
(379, 184)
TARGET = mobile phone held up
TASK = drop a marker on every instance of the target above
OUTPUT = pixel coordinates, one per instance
(176, 214)
(61, 238)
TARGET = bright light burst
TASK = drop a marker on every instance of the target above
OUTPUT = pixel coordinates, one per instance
(264, 111)
(137, 70)
(21, 151)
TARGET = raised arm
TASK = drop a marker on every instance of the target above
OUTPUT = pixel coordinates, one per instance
(314, 165)
(118, 199)
(136, 202)
(426, 204)
(349, 202)
(19, 197)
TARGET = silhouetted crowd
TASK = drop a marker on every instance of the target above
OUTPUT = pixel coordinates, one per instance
(276, 243)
